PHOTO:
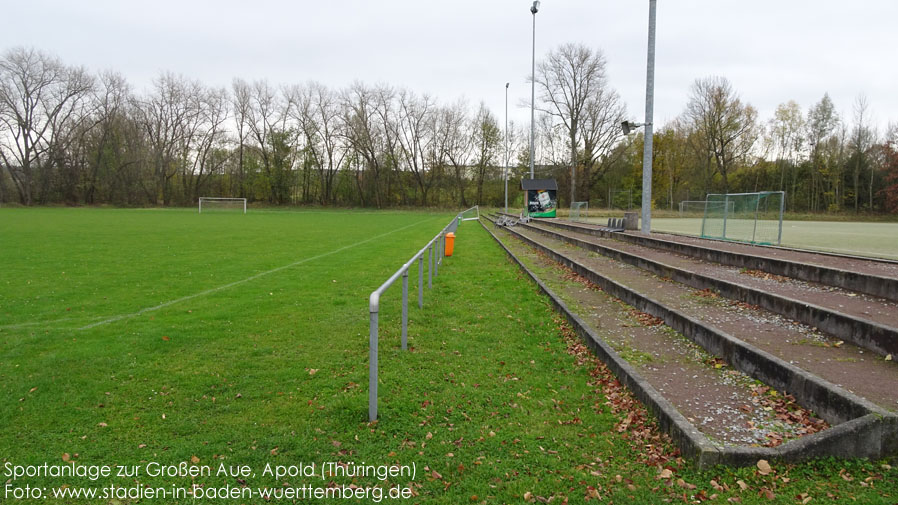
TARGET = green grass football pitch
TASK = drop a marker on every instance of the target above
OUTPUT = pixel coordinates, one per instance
(854, 238)
(136, 337)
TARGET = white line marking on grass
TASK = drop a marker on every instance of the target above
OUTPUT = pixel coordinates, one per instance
(37, 323)
(222, 287)
(241, 281)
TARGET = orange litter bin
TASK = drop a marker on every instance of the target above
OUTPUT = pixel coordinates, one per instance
(450, 243)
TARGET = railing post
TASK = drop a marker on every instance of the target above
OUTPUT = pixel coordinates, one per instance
(372, 358)
(421, 282)
(437, 255)
(430, 267)
(405, 309)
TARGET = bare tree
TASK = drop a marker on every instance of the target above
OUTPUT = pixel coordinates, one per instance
(385, 98)
(601, 132)
(274, 141)
(416, 136)
(455, 142)
(317, 110)
(725, 126)
(241, 102)
(487, 140)
(169, 116)
(862, 140)
(552, 146)
(208, 153)
(574, 90)
(114, 144)
(41, 100)
(363, 133)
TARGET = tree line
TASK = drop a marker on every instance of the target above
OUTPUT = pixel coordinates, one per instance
(72, 137)
(823, 161)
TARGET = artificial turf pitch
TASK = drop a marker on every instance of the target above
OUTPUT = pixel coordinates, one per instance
(878, 240)
(140, 337)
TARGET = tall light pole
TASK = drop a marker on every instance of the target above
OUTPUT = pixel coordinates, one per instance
(533, 10)
(649, 112)
(506, 147)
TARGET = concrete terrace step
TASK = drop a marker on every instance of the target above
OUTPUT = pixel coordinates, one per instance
(879, 335)
(845, 364)
(863, 275)
(858, 425)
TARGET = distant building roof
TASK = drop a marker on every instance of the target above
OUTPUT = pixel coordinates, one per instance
(531, 184)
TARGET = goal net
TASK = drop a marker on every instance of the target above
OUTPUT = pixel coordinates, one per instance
(579, 211)
(756, 218)
(212, 204)
(696, 208)
(471, 214)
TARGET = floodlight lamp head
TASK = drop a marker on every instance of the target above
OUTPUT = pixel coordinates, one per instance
(506, 85)
(628, 127)
(535, 7)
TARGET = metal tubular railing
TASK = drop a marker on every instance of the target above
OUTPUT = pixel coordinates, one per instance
(434, 250)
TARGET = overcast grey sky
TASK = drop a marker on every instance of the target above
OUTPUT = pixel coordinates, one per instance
(771, 51)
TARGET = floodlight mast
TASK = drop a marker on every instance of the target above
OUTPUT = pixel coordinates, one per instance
(627, 127)
(533, 10)
(649, 113)
(506, 147)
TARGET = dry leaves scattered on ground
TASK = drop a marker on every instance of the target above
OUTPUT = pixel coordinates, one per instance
(635, 425)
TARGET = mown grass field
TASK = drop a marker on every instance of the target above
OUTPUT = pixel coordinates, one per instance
(129, 337)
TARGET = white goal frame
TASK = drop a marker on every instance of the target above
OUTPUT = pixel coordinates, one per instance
(703, 206)
(741, 223)
(475, 209)
(576, 207)
(217, 198)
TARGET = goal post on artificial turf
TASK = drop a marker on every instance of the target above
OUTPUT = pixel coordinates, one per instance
(472, 214)
(579, 211)
(220, 203)
(756, 218)
(696, 208)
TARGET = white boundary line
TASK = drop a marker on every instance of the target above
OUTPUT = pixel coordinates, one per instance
(218, 288)
(241, 281)
(37, 323)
